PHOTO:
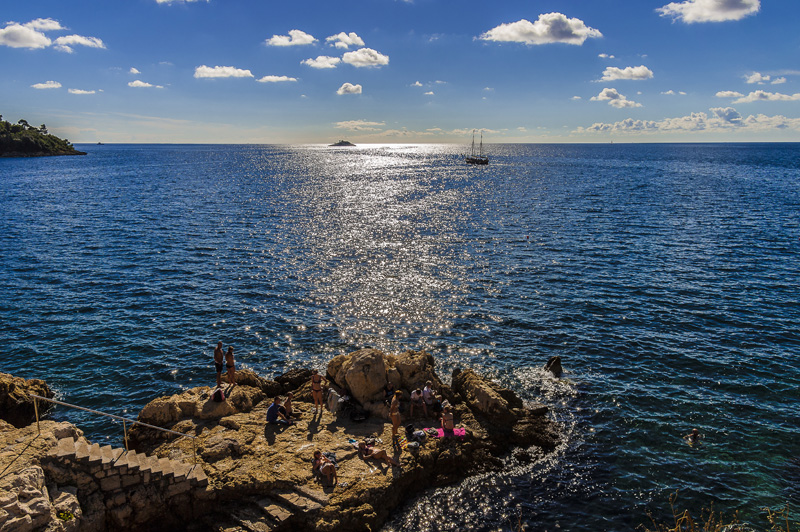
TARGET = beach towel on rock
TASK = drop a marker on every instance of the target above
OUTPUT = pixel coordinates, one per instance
(460, 432)
(402, 442)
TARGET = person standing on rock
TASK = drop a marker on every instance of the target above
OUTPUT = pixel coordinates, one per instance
(394, 413)
(231, 365)
(219, 358)
(316, 389)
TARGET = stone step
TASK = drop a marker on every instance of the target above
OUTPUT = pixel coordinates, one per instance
(95, 454)
(295, 500)
(64, 449)
(198, 477)
(250, 520)
(81, 450)
(128, 459)
(277, 513)
(318, 496)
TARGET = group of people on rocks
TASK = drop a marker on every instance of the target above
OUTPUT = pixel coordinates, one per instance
(281, 412)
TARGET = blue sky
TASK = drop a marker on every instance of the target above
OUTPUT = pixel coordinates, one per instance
(231, 71)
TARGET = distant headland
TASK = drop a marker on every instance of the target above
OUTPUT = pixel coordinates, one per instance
(23, 140)
(342, 143)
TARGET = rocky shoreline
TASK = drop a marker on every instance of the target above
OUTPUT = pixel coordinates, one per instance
(258, 477)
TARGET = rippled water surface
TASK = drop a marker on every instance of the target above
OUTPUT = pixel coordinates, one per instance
(665, 276)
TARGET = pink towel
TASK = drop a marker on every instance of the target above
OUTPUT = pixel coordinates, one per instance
(456, 432)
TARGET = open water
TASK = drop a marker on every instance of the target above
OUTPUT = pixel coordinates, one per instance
(665, 276)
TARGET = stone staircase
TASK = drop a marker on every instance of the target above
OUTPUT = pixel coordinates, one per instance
(279, 511)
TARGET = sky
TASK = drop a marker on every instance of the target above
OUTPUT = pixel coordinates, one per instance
(395, 71)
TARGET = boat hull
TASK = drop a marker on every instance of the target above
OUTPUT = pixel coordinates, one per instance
(476, 160)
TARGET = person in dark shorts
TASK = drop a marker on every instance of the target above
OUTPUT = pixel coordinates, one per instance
(231, 365)
(219, 359)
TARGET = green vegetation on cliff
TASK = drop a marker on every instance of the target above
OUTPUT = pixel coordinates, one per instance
(23, 140)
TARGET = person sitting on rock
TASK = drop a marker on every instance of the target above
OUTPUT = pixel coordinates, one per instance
(287, 405)
(325, 466)
(368, 451)
(417, 401)
(276, 414)
(447, 419)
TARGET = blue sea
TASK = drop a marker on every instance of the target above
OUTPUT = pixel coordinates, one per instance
(664, 275)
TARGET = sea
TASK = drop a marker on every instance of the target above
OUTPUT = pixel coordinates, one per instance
(665, 276)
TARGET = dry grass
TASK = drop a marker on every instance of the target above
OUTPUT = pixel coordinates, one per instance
(711, 521)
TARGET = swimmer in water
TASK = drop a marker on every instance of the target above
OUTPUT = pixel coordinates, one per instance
(694, 437)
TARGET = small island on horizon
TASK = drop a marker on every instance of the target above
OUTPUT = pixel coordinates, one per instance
(23, 140)
(342, 142)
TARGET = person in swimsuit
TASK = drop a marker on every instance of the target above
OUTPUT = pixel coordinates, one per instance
(694, 437)
(316, 389)
(287, 405)
(394, 412)
(447, 419)
(367, 451)
(231, 365)
(324, 466)
(219, 357)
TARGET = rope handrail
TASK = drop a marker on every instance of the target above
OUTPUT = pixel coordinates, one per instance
(124, 420)
(131, 421)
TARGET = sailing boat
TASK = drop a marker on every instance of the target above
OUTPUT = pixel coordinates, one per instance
(480, 158)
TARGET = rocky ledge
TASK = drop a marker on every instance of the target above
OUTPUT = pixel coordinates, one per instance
(259, 476)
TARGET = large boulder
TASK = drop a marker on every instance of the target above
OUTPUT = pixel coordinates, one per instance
(362, 374)
(197, 403)
(16, 406)
(485, 398)
(248, 377)
(24, 502)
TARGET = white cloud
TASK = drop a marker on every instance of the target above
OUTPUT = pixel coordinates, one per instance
(764, 96)
(721, 119)
(25, 35)
(275, 79)
(44, 24)
(143, 84)
(322, 61)
(614, 99)
(345, 40)
(576, 98)
(605, 56)
(429, 93)
(756, 77)
(729, 94)
(176, 1)
(691, 11)
(637, 73)
(47, 85)
(80, 91)
(134, 71)
(359, 125)
(549, 28)
(416, 84)
(65, 44)
(349, 88)
(365, 57)
(204, 71)
(779, 81)
(295, 38)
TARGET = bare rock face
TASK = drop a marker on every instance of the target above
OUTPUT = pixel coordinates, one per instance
(363, 374)
(484, 397)
(554, 366)
(16, 406)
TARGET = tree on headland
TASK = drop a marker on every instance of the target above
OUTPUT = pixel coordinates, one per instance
(22, 140)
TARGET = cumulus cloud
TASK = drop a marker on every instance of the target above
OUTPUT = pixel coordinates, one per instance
(143, 84)
(204, 71)
(349, 88)
(295, 38)
(322, 61)
(692, 11)
(549, 28)
(756, 77)
(47, 85)
(429, 93)
(134, 71)
(416, 84)
(80, 91)
(275, 79)
(779, 81)
(605, 56)
(729, 94)
(673, 93)
(721, 119)
(359, 125)
(365, 57)
(614, 99)
(576, 98)
(637, 73)
(764, 96)
(345, 40)
(29, 35)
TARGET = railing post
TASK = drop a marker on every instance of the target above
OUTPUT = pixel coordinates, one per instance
(36, 412)
(125, 434)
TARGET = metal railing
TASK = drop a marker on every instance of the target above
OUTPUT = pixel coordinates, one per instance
(124, 420)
